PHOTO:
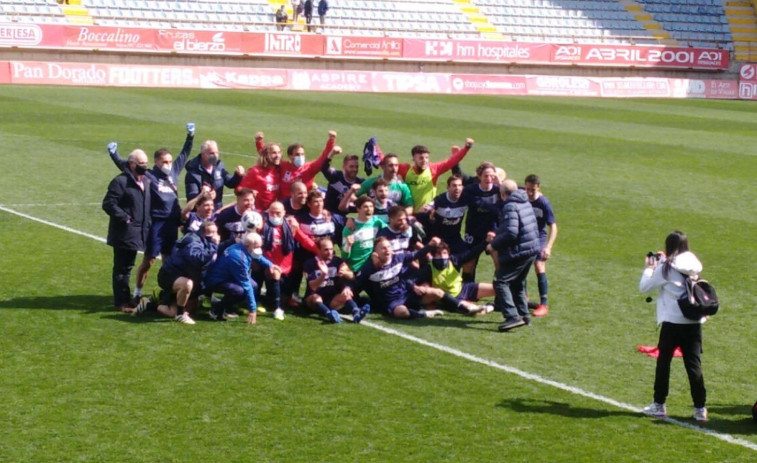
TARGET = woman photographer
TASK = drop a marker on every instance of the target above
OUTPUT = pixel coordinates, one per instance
(665, 272)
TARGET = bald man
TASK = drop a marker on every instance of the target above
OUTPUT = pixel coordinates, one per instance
(127, 202)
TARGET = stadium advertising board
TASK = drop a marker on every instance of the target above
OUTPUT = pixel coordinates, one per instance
(297, 44)
(748, 81)
(640, 56)
(101, 74)
(364, 47)
(196, 41)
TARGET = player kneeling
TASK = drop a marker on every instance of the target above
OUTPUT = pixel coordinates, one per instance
(180, 275)
(328, 290)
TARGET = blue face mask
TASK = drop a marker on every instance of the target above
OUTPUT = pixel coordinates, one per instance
(275, 221)
(440, 263)
(299, 161)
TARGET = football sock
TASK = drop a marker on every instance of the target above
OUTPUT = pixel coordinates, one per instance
(352, 307)
(451, 304)
(543, 286)
(137, 292)
(417, 313)
(273, 292)
(180, 310)
(322, 309)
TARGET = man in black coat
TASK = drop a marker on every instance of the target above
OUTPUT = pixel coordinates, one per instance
(516, 244)
(127, 202)
(208, 169)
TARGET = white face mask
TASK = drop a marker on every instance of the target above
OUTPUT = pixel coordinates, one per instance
(166, 168)
(299, 161)
(275, 221)
(257, 252)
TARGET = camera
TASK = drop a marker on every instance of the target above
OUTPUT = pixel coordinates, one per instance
(653, 256)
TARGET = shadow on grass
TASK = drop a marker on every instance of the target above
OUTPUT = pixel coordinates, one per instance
(741, 422)
(528, 405)
(449, 321)
(84, 302)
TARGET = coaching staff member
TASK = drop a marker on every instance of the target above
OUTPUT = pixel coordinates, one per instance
(516, 244)
(127, 202)
(208, 169)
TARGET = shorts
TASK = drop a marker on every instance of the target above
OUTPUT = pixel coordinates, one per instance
(469, 292)
(166, 281)
(161, 237)
(542, 245)
(457, 246)
(411, 301)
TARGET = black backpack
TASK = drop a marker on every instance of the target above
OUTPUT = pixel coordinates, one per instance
(699, 300)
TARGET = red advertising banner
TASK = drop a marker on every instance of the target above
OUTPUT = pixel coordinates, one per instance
(640, 56)
(117, 75)
(476, 50)
(196, 41)
(748, 72)
(298, 44)
(364, 47)
(283, 44)
(488, 84)
(106, 38)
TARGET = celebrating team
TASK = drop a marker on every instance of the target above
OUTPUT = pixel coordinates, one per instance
(401, 241)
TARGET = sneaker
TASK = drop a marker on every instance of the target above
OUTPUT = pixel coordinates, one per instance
(511, 324)
(262, 310)
(658, 410)
(527, 320)
(141, 307)
(333, 316)
(488, 308)
(434, 313)
(230, 316)
(541, 310)
(296, 298)
(700, 414)
(278, 314)
(360, 314)
(215, 316)
(185, 318)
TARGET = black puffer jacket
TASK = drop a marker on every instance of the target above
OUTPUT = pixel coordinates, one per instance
(129, 209)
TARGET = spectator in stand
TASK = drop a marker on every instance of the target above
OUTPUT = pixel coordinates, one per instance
(296, 11)
(208, 169)
(323, 7)
(357, 243)
(127, 202)
(328, 288)
(280, 238)
(545, 218)
(264, 177)
(483, 213)
(180, 276)
(340, 181)
(230, 276)
(422, 177)
(398, 189)
(517, 245)
(308, 10)
(381, 277)
(229, 219)
(281, 18)
(296, 168)
(165, 211)
(198, 210)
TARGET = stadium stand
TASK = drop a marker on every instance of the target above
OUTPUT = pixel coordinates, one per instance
(699, 23)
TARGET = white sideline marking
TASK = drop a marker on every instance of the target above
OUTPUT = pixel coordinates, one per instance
(50, 204)
(458, 353)
(52, 224)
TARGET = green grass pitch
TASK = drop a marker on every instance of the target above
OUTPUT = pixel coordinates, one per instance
(80, 382)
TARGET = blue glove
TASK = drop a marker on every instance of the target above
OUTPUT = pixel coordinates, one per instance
(112, 148)
(191, 129)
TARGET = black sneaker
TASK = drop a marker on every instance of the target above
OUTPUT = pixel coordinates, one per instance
(215, 316)
(141, 306)
(511, 324)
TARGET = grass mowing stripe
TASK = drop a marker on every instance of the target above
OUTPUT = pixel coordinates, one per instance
(565, 387)
(472, 358)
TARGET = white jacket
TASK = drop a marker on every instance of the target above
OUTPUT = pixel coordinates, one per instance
(672, 288)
